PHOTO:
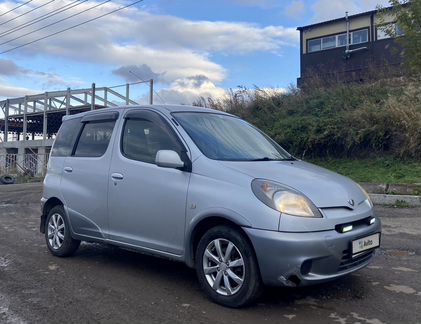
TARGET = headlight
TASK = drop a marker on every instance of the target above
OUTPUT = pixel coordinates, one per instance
(284, 199)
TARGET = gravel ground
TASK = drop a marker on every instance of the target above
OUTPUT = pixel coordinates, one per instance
(104, 284)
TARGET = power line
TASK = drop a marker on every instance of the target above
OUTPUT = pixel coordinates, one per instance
(42, 17)
(21, 5)
(56, 22)
(74, 26)
(26, 12)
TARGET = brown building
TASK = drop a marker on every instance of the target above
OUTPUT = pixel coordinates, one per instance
(349, 49)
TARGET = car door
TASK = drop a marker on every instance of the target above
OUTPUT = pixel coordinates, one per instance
(62, 148)
(84, 181)
(147, 203)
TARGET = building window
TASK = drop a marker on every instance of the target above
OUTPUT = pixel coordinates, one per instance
(360, 36)
(329, 42)
(381, 33)
(314, 45)
(384, 32)
(339, 40)
(398, 30)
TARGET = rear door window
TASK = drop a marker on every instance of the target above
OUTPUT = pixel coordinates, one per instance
(94, 139)
(66, 137)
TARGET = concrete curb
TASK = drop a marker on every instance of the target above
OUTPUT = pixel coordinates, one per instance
(382, 199)
(411, 189)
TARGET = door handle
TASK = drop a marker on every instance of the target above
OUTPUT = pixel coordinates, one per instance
(68, 169)
(117, 176)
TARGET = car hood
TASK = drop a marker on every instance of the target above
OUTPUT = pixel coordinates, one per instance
(323, 187)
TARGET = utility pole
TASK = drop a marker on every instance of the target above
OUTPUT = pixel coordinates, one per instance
(151, 91)
(93, 96)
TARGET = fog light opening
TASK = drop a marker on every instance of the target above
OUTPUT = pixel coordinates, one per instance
(306, 267)
(372, 220)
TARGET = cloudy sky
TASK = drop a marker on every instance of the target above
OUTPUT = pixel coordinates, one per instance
(190, 48)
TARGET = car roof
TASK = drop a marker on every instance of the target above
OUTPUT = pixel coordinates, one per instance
(185, 108)
(168, 108)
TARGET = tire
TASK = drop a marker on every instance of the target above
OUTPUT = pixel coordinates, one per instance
(237, 283)
(57, 233)
(7, 179)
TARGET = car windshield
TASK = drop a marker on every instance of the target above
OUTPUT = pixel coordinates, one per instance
(228, 138)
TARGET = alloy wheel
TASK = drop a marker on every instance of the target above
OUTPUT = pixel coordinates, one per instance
(56, 228)
(223, 266)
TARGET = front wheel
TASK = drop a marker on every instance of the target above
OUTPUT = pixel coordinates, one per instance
(227, 267)
(57, 233)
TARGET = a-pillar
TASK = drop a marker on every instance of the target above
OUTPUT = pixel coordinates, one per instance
(41, 162)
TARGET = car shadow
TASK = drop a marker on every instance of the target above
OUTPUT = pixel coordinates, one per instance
(165, 272)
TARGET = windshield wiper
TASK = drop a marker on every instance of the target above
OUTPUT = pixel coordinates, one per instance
(264, 159)
(290, 158)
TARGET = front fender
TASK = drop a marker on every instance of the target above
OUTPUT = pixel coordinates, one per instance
(224, 214)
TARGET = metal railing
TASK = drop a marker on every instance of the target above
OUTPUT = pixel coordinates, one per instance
(10, 163)
(29, 164)
(65, 100)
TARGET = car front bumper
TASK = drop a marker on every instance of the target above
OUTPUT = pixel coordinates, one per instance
(292, 259)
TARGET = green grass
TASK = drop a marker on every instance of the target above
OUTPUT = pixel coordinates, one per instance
(375, 170)
(28, 179)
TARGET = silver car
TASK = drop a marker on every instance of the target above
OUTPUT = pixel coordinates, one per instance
(206, 188)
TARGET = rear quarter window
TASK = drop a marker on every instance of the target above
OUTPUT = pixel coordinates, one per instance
(66, 137)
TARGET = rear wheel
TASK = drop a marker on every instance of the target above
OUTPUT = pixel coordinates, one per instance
(227, 267)
(57, 233)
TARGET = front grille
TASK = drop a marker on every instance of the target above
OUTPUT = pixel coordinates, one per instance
(355, 224)
(349, 262)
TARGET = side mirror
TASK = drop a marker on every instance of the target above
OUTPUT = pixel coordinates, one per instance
(168, 159)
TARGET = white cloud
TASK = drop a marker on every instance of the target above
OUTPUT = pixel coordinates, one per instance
(9, 68)
(273, 91)
(328, 9)
(174, 46)
(168, 32)
(258, 3)
(10, 91)
(132, 73)
(187, 90)
(172, 64)
(295, 9)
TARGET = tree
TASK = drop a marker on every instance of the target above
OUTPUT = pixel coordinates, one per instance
(408, 18)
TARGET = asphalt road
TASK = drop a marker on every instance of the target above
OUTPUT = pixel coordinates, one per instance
(103, 284)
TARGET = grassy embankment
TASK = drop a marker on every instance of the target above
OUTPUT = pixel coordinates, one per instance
(375, 170)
